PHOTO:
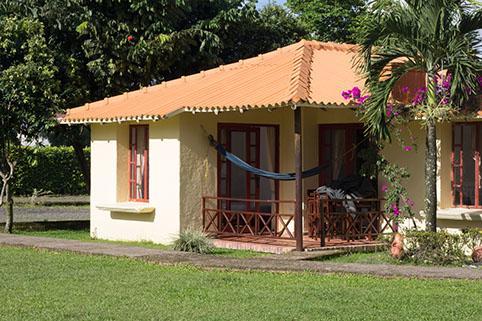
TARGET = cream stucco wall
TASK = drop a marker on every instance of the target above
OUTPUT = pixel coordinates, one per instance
(414, 162)
(110, 183)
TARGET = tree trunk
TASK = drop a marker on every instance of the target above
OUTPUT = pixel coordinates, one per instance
(8, 210)
(83, 163)
(431, 177)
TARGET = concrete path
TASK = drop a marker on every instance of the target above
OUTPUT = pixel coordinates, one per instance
(47, 213)
(288, 263)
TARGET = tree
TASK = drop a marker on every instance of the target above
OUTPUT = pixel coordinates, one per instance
(331, 20)
(104, 47)
(258, 32)
(28, 96)
(436, 37)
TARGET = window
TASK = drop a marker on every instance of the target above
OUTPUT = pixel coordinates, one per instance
(258, 146)
(339, 151)
(139, 163)
(466, 165)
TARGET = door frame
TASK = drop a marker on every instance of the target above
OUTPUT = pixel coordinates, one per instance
(247, 126)
(460, 167)
(321, 127)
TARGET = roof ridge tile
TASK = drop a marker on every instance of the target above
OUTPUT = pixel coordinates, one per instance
(300, 80)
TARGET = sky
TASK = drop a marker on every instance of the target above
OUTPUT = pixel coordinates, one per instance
(263, 2)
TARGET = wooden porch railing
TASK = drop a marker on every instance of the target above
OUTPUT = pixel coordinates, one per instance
(330, 218)
(248, 217)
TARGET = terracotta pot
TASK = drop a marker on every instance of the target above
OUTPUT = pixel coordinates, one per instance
(396, 250)
(477, 254)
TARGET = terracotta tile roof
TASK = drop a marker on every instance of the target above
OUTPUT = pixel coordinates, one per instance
(307, 72)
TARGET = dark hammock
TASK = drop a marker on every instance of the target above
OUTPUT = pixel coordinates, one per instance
(261, 172)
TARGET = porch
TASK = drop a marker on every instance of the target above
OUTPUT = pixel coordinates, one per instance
(283, 245)
(268, 225)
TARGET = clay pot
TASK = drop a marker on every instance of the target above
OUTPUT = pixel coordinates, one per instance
(396, 250)
(477, 254)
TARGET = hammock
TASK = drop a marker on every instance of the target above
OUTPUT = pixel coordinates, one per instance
(261, 172)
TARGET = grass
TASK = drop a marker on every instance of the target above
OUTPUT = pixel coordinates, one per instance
(371, 258)
(40, 285)
(84, 235)
(52, 200)
(361, 257)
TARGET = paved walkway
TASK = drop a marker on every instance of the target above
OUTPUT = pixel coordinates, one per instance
(285, 263)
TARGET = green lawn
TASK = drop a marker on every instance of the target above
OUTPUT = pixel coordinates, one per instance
(84, 235)
(372, 258)
(361, 257)
(40, 285)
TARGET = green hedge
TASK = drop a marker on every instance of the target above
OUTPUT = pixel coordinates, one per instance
(52, 169)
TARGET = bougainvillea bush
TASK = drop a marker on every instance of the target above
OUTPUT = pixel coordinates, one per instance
(397, 202)
(398, 114)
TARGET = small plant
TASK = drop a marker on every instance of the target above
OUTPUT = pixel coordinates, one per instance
(36, 195)
(193, 241)
(441, 248)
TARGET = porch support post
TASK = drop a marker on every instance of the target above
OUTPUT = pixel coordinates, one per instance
(299, 180)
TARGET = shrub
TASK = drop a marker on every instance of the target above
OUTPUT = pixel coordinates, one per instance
(49, 170)
(441, 248)
(193, 241)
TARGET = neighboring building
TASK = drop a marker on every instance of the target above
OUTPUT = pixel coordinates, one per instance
(154, 173)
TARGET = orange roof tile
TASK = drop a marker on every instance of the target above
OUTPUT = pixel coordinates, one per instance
(308, 72)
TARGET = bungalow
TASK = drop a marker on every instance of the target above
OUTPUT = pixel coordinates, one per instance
(154, 172)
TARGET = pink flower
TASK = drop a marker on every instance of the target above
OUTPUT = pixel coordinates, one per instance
(356, 92)
(363, 99)
(396, 210)
(405, 90)
(407, 148)
(384, 188)
(346, 94)
(389, 110)
(410, 202)
(446, 82)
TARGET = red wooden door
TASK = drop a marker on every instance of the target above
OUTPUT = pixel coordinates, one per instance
(338, 146)
(233, 182)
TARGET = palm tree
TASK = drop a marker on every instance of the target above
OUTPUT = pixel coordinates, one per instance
(432, 36)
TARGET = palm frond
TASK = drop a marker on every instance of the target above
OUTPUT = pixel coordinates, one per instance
(424, 35)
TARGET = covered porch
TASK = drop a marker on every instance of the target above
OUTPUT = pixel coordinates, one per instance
(328, 225)
(245, 210)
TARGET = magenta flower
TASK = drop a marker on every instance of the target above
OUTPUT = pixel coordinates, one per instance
(356, 92)
(384, 188)
(446, 83)
(346, 94)
(389, 110)
(396, 210)
(407, 148)
(418, 99)
(479, 80)
(363, 99)
(405, 90)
